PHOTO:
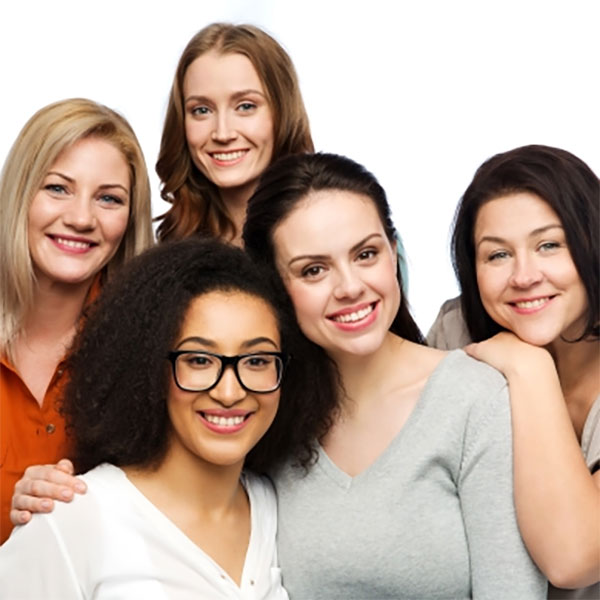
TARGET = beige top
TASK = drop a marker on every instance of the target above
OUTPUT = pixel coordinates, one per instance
(449, 330)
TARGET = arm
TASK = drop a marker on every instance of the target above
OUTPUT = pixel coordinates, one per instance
(39, 486)
(557, 499)
(34, 563)
(500, 564)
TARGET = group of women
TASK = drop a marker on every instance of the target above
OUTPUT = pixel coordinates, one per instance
(270, 422)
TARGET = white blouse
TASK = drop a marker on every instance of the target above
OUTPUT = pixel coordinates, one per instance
(113, 543)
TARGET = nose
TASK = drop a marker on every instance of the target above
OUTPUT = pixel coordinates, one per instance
(228, 391)
(526, 272)
(349, 284)
(80, 214)
(224, 131)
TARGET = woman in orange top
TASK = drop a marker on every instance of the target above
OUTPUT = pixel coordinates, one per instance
(74, 205)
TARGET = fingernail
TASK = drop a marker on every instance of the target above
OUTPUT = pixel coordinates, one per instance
(66, 493)
(45, 505)
(79, 487)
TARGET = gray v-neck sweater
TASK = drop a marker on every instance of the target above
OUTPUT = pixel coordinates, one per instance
(432, 517)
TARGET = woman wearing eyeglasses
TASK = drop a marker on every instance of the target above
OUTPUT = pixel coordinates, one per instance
(163, 425)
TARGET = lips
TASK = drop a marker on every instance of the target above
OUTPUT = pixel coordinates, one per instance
(231, 156)
(530, 305)
(221, 421)
(352, 315)
(74, 244)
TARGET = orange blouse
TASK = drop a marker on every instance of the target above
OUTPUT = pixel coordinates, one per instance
(30, 434)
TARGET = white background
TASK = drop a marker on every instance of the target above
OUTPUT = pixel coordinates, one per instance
(420, 92)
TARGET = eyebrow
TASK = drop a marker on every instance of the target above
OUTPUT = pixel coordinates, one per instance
(534, 233)
(247, 344)
(104, 186)
(235, 96)
(324, 256)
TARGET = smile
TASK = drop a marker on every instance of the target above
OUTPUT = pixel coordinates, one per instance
(72, 243)
(224, 421)
(529, 304)
(228, 156)
(353, 317)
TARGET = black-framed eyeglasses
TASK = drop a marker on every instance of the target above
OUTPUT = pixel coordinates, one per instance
(199, 371)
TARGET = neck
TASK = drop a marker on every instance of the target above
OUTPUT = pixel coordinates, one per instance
(366, 376)
(577, 365)
(56, 310)
(186, 482)
(236, 201)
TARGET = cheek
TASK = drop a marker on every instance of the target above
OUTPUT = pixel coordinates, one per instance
(115, 226)
(306, 303)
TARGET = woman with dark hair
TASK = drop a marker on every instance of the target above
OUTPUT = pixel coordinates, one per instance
(525, 251)
(174, 389)
(411, 494)
(235, 107)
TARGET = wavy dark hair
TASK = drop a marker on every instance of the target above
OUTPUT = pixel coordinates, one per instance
(197, 205)
(285, 184)
(570, 188)
(115, 403)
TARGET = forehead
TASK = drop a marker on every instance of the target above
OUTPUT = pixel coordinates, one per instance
(213, 72)
(94, 156)
(326, 221)
(511, 213)
(230, 316)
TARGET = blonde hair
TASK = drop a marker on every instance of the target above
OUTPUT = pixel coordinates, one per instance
(48, 133)
(197, 205)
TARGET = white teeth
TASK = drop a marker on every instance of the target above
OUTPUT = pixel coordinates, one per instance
(532, 303)
(72, 243)
(355, 316)
(228, 155)
(224, 421)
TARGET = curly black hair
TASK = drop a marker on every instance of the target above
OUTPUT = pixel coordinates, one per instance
(115, 403)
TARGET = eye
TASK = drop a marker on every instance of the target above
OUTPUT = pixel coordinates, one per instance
(498, 255)
(110, 200)
(548, 246)
(197, 360)
(246, 106)
(312, 271)
(55, 188)
(367, 254)
(258, 361)
(200, 111)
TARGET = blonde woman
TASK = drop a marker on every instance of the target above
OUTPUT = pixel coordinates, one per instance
(74, 205)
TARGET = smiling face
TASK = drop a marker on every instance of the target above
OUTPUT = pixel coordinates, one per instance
(228, 120)
(526, 276)
(343, 286)
(77, 219)
(220, 426)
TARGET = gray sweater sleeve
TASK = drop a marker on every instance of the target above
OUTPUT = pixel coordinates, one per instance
(500, 564)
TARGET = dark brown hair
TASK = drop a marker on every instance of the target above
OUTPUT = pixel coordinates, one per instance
(570, 188)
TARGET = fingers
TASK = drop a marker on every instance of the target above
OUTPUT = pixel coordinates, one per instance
(19, 517)
(50, 482)
(66, 466)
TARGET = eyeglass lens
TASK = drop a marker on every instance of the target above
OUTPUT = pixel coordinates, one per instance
(200, 371)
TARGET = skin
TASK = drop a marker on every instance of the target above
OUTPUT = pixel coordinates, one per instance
(76, 223)
(198, 483)
(338, 278)
(527, 279)
(79, 216)
(522, 255)
(330, 277)
(228, 125)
